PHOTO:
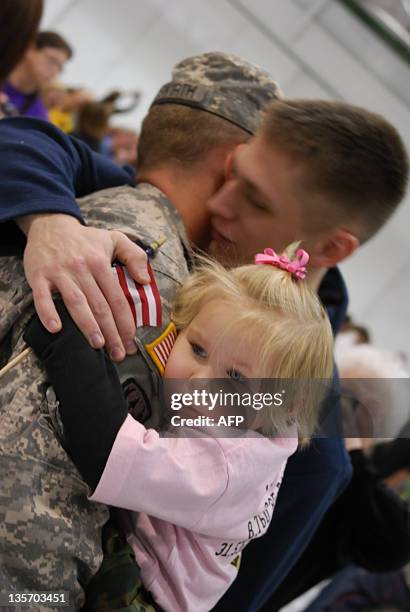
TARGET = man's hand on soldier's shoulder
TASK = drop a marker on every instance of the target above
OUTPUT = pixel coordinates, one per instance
(64, 256)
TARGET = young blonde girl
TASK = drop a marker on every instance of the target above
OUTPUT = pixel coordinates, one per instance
(198, 497)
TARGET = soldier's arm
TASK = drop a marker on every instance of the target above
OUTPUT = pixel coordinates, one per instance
(42, 171)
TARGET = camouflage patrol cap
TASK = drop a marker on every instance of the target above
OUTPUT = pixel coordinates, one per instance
(222, 84)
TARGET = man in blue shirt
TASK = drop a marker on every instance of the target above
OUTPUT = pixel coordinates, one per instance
(42, 63)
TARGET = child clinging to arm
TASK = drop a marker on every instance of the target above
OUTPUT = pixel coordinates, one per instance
(196, 499)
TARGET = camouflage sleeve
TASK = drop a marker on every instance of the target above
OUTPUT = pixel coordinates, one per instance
(50, 533)
(92, 405)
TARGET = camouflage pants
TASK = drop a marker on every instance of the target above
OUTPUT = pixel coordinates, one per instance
(117, 585)
(50, 534)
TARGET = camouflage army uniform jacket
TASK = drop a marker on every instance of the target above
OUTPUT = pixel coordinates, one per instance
(50, 533)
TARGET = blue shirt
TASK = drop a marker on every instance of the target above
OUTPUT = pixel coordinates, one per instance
(44, 170)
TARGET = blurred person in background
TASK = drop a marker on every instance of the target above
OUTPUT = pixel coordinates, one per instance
(351, 333)
(124, 143)
(376, 381)
(63, 104)
(92, 126)
(19, 21)
(42, 62)
(366, 532)
(371, 520)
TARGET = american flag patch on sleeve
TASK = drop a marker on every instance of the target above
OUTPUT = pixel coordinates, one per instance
(160, 349)
(144, 300)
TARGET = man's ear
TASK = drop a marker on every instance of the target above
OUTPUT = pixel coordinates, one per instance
(334, 248)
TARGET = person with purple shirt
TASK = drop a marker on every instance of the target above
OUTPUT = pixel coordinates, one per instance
(40, 65)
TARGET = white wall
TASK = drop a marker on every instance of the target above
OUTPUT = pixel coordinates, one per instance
(314, 48)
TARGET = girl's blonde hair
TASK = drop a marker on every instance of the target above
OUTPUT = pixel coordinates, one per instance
(284, 319)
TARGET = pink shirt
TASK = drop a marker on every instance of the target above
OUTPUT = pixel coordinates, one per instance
(196, 501)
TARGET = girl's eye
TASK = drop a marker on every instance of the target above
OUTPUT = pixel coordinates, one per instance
(234, 374)
(198, 351)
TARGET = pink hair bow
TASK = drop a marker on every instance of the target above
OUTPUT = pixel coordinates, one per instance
(297, 267)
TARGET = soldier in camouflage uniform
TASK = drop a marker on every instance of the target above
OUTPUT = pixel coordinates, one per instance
(50, 532)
